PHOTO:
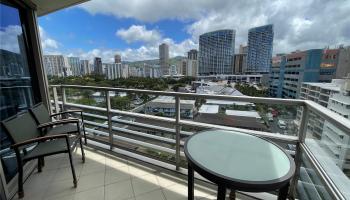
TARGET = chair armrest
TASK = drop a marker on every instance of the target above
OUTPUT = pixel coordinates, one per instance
(39, 139)
(66, 112)
(63, 121)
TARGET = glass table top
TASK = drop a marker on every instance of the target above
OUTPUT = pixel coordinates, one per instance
(238, 156)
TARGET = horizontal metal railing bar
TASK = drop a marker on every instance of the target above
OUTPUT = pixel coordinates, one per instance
(339, 121)
(133, 141)
(136, 133)
(328, 115)
(295, 102)
(332, 117)
(274, 136)
(138, 124)
(322, 174)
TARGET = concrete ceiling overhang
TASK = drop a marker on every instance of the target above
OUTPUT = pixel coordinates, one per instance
(45, 7)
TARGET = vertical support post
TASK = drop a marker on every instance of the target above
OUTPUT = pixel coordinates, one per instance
(109, 117)
(177, 130)
(55, 99)
(64, 98)
(298, 151)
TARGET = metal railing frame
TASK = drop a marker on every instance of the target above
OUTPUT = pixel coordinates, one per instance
(299, 140)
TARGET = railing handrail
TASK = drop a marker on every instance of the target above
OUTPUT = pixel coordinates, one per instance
(341, 122)
(291, 102)
(309, 106)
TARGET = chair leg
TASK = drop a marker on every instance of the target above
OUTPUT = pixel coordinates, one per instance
(72, 167)
(85, 140)
(39, 165)
(82, 150)
(20, 180)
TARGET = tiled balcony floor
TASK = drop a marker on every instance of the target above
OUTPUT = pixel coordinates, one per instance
(104, 176)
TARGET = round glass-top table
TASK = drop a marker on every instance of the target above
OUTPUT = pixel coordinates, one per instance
(238, 161)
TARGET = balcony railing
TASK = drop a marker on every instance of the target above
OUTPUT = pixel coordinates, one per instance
(163, 145)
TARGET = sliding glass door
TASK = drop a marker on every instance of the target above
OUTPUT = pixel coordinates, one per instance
(16, 78)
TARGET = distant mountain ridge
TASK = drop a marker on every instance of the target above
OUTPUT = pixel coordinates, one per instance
(172, 61)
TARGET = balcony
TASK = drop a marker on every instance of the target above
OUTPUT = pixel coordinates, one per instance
(108, 176)
(135, 140)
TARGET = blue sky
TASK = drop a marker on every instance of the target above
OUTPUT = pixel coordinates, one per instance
(135, 28)
(77, 29)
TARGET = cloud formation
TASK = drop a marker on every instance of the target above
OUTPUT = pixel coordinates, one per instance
(9, 38)
(136, 33)
(49, 45)
(299, 24)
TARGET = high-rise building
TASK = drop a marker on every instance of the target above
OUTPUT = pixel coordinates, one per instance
(277, 75)
(343, 67)
(117, 58)
(260, 42)
(216, 51)
(125, 71)
(84, 66)
(240, 63)
(113, 70)
(98, 69)
(55, 65)
(243, 49)
(192, 54)
(74, 63)
(164, 58)
(292, 70)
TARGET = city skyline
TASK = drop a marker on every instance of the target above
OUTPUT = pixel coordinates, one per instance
(136, 34)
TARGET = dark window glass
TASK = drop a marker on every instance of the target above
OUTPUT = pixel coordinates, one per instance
(15, 81)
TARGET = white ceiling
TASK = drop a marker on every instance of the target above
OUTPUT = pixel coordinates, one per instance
(47, 6)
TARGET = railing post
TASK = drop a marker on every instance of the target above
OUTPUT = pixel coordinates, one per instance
(109, 116)
(55, 99)
(298, 151)
(177, 130)
(64, 97)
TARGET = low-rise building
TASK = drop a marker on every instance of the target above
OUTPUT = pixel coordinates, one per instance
(165, 106)
(336, 97)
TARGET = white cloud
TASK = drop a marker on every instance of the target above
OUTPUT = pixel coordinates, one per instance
(9, 38)
(137, 33)
(49, 45)
(298, 24)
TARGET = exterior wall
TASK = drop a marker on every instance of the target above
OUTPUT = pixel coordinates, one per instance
(216, 51)
(192, 54)
(334, 141)
(276, 76)
(54, 65)
(260, 42)
(343, 67)
(74, 63)
(329, 64)
(98, 66)
(85, 68)
(164, 58)
(240, 64)
(300, 67)
(165, 106)
(113, 70)
(117, 58)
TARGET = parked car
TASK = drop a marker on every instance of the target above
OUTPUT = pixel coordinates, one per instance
(269, 117)
(282, 124)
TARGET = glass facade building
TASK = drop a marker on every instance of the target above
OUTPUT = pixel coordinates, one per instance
(216, 52)
(260, 41)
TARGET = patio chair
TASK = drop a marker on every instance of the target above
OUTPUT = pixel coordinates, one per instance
(29, 144)
(42, 116)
